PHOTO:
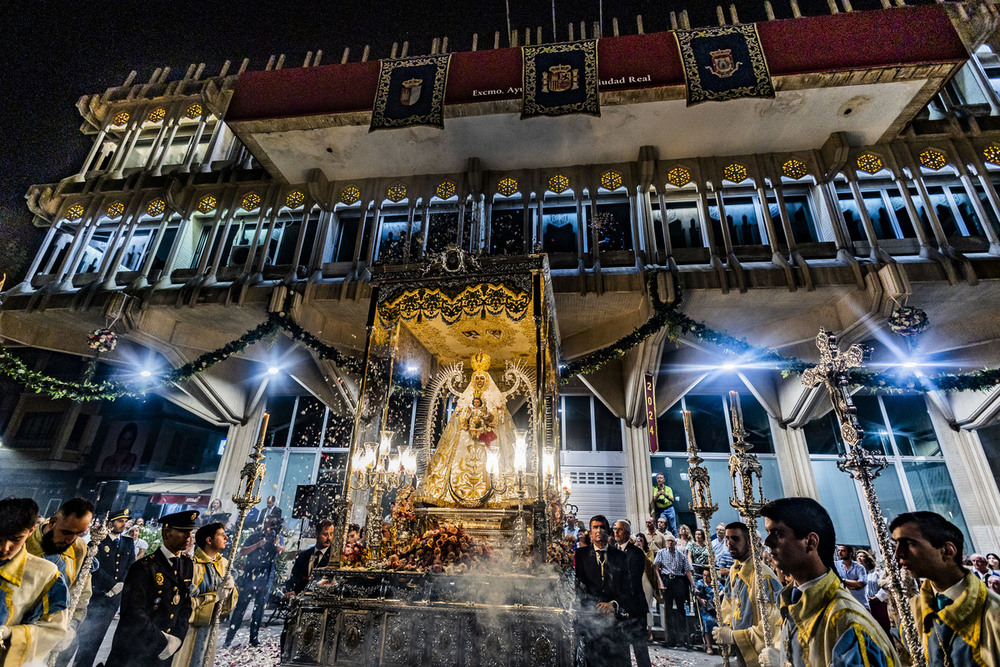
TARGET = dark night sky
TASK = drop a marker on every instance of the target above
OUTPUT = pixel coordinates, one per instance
(56, 51)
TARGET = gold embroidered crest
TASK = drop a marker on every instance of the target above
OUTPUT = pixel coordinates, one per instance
(159, 578)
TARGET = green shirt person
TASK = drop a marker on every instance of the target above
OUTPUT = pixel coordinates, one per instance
(662, 504)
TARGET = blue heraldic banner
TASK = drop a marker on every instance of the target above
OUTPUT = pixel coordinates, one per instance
(410, 91)
(560, 79)
(723, 63)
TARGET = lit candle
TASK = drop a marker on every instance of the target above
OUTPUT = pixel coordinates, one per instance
(688, 428)
(493, 462)
(549, 463)
(566, 484)
(520, 450)
(385, 444)
(737, 411)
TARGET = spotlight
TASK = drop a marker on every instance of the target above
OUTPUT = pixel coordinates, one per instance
(412, 370)
(273, 370)
(910, 364)
(145, 373)
(729, 366)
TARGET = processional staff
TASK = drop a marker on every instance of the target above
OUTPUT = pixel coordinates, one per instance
(251, 478)
(703, 507)
(745, 468)
(862, 465)
(98, 531)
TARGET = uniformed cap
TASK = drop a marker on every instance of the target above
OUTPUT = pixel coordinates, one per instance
(119, 514)
(180, 520)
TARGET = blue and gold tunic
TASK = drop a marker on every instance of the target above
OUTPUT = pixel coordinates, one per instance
(827, 626)
(964, 632)
(33, 604)
(738, 610)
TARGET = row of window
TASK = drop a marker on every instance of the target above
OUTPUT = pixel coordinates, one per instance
(567, 231)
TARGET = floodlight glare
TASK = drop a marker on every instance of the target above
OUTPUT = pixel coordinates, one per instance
(729, 366)
(910, 364)
(273, 370)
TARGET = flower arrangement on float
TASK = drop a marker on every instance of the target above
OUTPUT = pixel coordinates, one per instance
(446, 548)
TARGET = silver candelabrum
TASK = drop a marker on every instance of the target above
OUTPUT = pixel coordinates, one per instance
(746, 471)
(251, 478)
(378, 468)
(703, 507)
(498, 483)
(862, 465)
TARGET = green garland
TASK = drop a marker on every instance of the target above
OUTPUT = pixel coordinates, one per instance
(665, 316)
(678, 325)
(87, 390)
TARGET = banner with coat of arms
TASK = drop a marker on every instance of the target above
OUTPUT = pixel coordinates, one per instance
(560, 79)
(410, 92)
(723, 63)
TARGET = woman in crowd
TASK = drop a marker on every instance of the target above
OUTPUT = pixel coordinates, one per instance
(141, 545)
(697, 550)
(684, 538)
(993, 561)
(649, 584)
(877, 605)
(705, 595)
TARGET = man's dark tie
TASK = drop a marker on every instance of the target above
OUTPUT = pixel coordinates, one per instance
(796, 595)
(942, 601)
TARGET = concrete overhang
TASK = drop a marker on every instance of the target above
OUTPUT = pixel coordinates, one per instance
(862, 73)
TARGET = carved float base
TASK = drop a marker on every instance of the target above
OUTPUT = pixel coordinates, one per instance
(361, 618)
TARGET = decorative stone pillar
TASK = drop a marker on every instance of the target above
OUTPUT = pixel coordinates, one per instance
(239, 440)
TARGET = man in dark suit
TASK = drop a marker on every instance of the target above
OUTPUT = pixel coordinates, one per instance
(315, 556)
(309, 559)
(271, 511)
(601, 577)
(115, 555)
(634, 603)
(156, 601)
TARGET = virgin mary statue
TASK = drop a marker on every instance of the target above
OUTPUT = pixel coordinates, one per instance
(479, 435)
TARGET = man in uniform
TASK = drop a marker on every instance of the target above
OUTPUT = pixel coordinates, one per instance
(822, 623)
(662, 504)
(957, 617)
(115, 555)
(156, 600)
(59, 540)
(33, 616)
(739, 620)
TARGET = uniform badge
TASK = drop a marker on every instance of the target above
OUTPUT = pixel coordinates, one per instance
(107, 549)
(177, 599)
(159, 578)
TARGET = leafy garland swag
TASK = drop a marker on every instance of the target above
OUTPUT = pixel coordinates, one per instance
(665, 316)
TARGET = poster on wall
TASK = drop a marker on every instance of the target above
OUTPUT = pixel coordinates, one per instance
(125, 442)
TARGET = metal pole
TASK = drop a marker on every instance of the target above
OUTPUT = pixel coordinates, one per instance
(251, 478)
(98, 531)
(744, 467)
(703, 507)
(862, 465)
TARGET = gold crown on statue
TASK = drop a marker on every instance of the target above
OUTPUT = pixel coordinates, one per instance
(481, 362)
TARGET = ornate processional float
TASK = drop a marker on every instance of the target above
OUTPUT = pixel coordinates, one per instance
(453, 480)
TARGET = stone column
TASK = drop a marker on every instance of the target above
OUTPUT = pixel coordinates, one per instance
(638, 490)
(24, 287)
(875, 254)
(792, 453)
(975, 487)
(239, 441)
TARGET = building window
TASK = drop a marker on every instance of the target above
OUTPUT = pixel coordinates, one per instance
(899, 428)
(588, 425)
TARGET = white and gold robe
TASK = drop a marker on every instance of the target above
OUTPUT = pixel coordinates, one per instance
(34, 607)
